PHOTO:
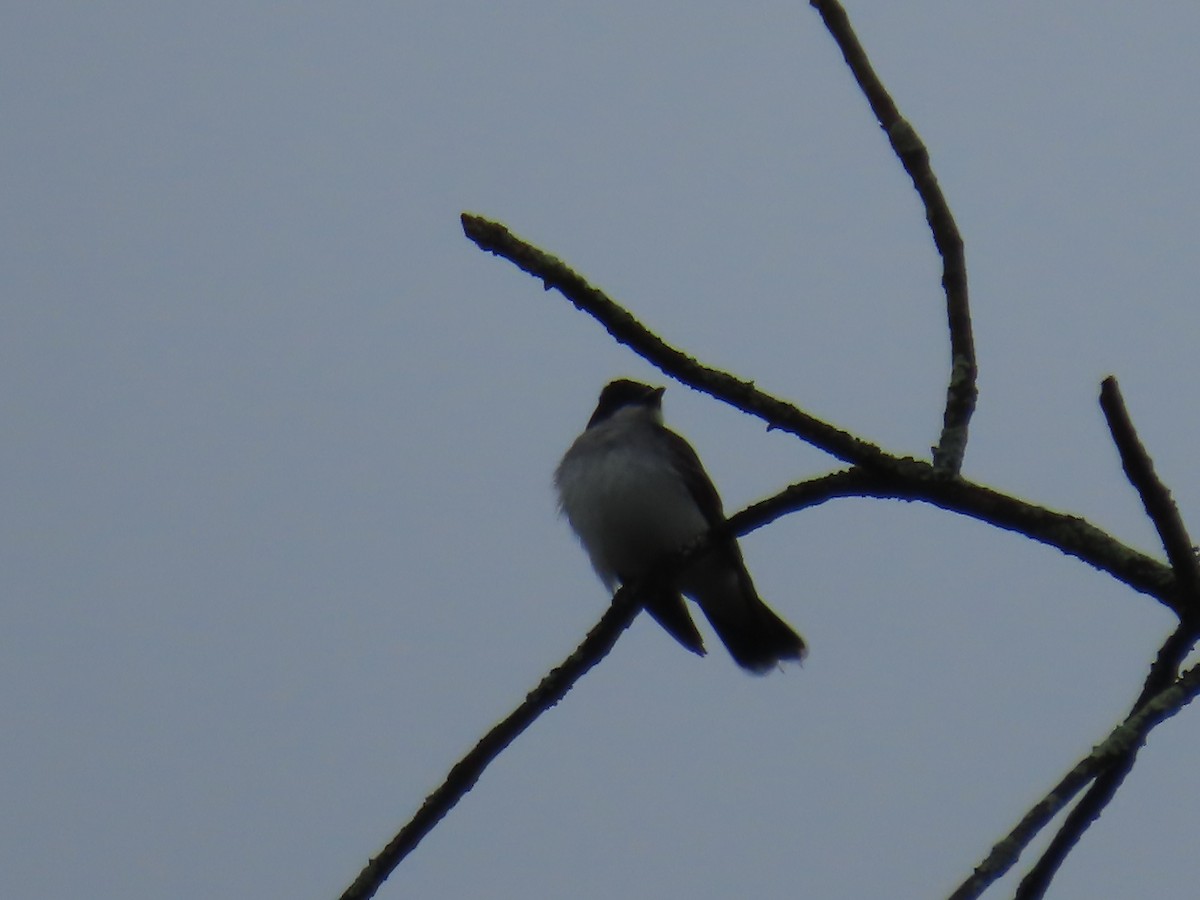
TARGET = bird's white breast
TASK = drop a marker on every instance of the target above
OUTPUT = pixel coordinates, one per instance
(619, 489)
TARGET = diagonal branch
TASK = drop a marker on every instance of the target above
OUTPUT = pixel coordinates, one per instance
(1156, 499)
(1161, 509)
(552, 688)
(913, 155)
(495, 238)
(893, 476)
(465, 773)
(1127, 736)
(1164, 671)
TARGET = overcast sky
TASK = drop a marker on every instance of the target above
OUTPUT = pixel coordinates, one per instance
(278, 534)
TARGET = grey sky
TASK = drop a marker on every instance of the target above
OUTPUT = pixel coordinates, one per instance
(279, 540)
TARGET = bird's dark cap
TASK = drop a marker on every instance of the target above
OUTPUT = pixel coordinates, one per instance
(624, 392)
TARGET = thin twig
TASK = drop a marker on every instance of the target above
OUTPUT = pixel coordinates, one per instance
(1037, 880)
(913, 155)
(1129, 734)
(497, 239)
(1164, 671)
(898, 477)
(1156, 499)
(466, 772)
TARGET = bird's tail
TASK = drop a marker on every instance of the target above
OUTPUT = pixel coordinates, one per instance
(756, 637)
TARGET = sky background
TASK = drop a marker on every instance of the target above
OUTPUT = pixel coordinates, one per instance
(278, 540)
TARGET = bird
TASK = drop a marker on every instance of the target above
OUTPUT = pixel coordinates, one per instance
(634, 491)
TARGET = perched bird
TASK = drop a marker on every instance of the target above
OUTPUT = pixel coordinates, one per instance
(633, 491)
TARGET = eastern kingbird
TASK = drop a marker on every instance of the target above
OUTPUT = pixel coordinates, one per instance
(633, 491)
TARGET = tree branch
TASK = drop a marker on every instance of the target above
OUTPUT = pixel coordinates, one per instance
(465, 773)
(1127, 736)
(882, 475)
(1072, 535)
(1164, 671)
(555, 685)
(1156, 499)
(1161, 509)
(879, 474)
(892, 476)
(495, 238)
(914, 157)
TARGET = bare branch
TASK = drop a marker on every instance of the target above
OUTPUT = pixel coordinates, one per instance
(895, 477)
(881, 475)
(1127, 736)
(1037, 881)
(1164, 671)
(877, 474)
(462, 777)
(913, 155)
(1156, 499)
(495, 238)
(1072, 535)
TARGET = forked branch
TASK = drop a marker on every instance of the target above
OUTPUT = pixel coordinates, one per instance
(873, 472)
(1127, 736)
(1161, 510)
(896, 477)
(913, 155)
